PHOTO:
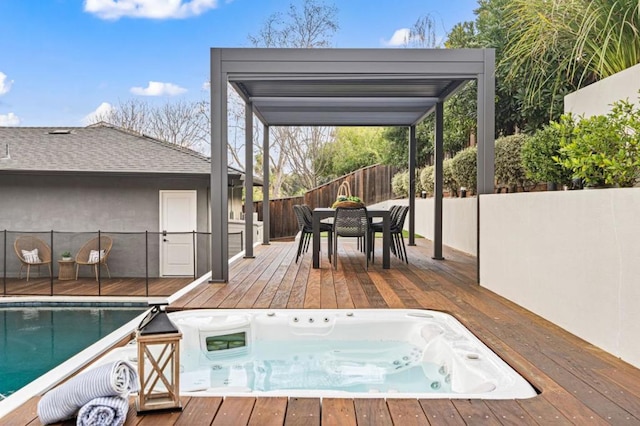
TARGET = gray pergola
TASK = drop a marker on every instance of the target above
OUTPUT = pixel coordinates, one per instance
(342, 87)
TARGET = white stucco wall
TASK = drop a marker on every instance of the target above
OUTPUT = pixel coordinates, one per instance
(596, 99)
(570, 257)
(459, 221)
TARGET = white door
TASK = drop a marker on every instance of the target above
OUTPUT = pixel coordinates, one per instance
(177, 214)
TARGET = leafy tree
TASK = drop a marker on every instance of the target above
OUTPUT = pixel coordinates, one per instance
(558, 46)
(352, 149)
(397, 152)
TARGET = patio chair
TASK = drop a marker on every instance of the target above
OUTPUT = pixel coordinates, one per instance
(32, 251)
(304, 216)
(94, 252)
(397, 216)
(350, 222)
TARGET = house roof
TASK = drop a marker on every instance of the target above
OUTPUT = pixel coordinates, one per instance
(97, 149)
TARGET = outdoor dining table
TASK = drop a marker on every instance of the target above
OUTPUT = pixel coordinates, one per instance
(320, 214)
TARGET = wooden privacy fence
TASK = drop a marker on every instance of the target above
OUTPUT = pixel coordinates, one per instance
(283, 223)
(372, 184)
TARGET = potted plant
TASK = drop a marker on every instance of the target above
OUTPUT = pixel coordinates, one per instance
(66, 255)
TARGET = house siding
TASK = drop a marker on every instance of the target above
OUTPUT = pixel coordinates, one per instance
(78, 203)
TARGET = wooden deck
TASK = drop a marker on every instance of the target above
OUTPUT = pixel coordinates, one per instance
(579, 383)
(131, 287)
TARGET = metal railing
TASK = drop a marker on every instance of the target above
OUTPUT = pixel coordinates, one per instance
(134, 255)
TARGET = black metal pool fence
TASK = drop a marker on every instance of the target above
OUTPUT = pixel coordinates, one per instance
(132, 254)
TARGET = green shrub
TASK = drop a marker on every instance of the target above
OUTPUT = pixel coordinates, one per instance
(537, 155)
(427, 175)
(419, 186)
(604, 149)
(449, 182)
(509, 171)
(464, 168)
(400, 184)
(427, 179)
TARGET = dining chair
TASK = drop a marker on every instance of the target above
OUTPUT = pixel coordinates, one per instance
(304, 216)
(350, 222)
(397, 216)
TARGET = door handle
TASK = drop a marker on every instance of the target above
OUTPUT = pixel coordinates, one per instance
(165, 240)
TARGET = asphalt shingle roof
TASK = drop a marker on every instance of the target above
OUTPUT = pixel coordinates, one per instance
(102, 149)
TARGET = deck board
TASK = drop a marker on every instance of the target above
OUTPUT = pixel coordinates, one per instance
(89, 287)
(579, 383)
(338, 412)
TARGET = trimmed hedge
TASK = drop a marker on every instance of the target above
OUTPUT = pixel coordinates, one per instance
(509, 170)
(464, 168)
(449, 183)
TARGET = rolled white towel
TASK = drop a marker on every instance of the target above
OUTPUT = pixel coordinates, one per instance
(105, 411)
(116, 379)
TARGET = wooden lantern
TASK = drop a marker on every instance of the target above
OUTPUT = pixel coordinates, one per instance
(158, 363)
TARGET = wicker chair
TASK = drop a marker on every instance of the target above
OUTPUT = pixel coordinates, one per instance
(29, 243)
(98, 243)
(350, 222)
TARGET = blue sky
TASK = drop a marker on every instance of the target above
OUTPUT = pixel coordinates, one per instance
(62, 59)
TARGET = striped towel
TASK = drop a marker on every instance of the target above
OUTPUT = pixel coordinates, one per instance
(105, 411)
(115, 379)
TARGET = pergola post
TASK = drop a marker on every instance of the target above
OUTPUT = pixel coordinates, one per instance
(248, 180)
(486, 135)
(266, 225)
(412, 185)
(219, 170)
(438, 150)
(486, 125)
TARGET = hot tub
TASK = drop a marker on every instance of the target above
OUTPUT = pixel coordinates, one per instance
(337, 353)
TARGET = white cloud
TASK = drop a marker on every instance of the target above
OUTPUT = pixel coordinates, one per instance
(152, 9)
(5, 85)
(400, 37)
(156, 88)
(99, 114)
(206, 85)
(10, 119)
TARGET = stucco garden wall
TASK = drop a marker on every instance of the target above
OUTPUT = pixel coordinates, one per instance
(570, 257)
(459, 221)
(596, 99)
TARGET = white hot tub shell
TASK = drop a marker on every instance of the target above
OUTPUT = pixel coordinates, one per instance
(217, 336)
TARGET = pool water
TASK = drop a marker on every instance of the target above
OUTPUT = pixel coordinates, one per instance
(35, 340)
(350, 366)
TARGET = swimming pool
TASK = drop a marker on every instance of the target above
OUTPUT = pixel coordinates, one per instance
(35, 340)
(339, 353)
